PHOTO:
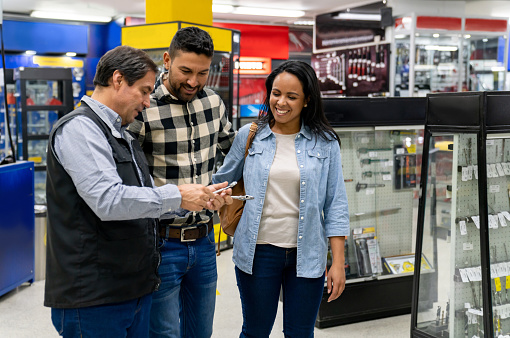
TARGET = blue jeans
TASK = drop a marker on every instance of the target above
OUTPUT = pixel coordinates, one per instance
(274, 268)
(126, 319)
(184, 304)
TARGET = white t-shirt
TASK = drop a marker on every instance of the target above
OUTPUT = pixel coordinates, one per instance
(280, 213)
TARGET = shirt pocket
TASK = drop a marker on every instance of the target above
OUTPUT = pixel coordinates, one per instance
(253, 163)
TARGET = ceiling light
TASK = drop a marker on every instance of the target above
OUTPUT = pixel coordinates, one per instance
(436, 35)
(485, 40)
(358, 16)
(222, 8)
(400, 36)
(30, 52)
(442, 48)
(467, 36)
(304, 22)
(71, 54)
(70, 16)
(268, 12)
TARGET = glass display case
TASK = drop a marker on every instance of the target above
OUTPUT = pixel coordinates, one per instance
(447, 54)
(465, 166)
(43, 95)
(381, 148)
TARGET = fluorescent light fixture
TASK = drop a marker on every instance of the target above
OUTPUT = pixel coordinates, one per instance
(400, 36)
(485, 40)
(268, 12)
(358, 16)
(70, 16)
(30, 52)
(71, 54)
(442, 48)
(467, 36)
(222, 8)
(304, 22)
(436, 35)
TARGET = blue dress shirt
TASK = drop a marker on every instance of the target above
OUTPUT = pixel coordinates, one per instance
(85, 154)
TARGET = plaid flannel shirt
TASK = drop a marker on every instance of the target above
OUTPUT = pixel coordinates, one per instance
(180, 140)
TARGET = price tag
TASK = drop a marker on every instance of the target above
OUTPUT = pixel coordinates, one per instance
(388, 163)
(494, 271)
(400, 151)
(464, 174)
(497, 282)
(357, 231)
(463, 229)
(489, 171)
(502, 220)
(493, 222)
(501, 269)
(467, 246)
(489, 142)
(494, 170)
(464, 276)
(386, 177)
(494, 188)
(467, 305)
(475, 171)
(506, 168)
(476, 220)
(372, 154)
(478, 273)
(507, 282)
(500, 170)
(370, 191)
(470, 172)
(506, 214)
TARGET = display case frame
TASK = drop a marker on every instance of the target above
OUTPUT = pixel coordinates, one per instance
(485, 121)
(375, 124)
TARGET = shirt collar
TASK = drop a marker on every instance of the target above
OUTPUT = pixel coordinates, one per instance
(161, 92)
(107, 115)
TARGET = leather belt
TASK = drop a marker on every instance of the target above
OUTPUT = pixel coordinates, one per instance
(186, 233)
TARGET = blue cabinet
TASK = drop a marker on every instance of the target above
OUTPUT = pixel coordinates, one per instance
(17, 222)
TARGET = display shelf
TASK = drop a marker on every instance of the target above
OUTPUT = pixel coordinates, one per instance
(43, 96)
(381, 150)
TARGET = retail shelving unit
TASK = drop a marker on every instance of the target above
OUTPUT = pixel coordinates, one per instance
(381, 140)
(43, 96)
(471, 299)
(448, 54)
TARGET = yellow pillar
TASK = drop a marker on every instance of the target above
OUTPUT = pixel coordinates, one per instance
(196, 11)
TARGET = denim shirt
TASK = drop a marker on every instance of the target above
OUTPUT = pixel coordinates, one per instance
(323, 210)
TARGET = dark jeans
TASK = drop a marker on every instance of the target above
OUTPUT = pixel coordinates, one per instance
(275, 268)
(118, 320)
(184, 304)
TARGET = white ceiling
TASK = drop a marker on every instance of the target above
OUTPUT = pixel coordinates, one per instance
(120, 8)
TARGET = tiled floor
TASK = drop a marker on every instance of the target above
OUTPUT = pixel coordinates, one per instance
(22, 314)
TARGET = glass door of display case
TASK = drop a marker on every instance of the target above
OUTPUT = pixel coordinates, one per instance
(381, 146)
(465, 177)
(43, 96)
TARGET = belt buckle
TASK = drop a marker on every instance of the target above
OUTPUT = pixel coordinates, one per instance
(182, 234)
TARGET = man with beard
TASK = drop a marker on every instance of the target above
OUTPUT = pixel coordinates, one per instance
(180, 133)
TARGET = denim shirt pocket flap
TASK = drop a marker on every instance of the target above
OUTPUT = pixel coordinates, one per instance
(255, 151)
(318, 153)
